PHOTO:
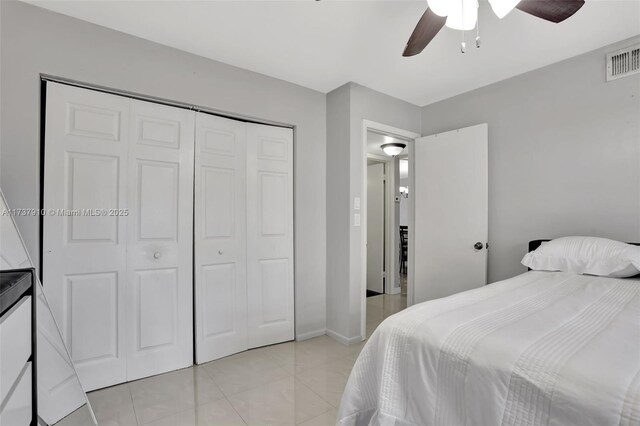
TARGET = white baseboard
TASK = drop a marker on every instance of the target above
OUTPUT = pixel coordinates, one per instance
(343, 339)
(394, 290)
(311, 334)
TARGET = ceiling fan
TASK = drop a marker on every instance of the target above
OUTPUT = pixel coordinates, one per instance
(463, 15)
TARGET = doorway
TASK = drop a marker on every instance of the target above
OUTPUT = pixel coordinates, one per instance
(446, 196)
(385, 265)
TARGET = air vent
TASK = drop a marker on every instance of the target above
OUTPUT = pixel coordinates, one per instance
(623, 63)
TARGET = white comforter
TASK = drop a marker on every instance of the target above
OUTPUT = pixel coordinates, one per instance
(543, 348)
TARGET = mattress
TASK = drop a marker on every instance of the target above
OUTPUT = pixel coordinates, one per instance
(543, 348)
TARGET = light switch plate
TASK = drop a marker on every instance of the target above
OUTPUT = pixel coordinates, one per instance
(356, 203)
(356, 219)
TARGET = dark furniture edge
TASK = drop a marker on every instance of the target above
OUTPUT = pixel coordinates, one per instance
(14, 294)
(34, 338)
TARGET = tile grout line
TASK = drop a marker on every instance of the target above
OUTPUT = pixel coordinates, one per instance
(133, 405)
(319, 415)
(193, 371)
(320, 396)
(246, 422)
(250, 388)
(331, 406)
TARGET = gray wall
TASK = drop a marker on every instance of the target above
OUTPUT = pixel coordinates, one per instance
(347, 107)
(338, 209)
(564, 154)
(35, 41)
(367, 104)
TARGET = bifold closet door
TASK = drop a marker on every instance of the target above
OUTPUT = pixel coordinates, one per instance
(85, 257)
(220, 237)
(117, 257)
(270, 284)
(243, 236)
(159, 293)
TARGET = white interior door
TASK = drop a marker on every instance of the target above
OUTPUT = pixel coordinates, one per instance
(85, 256)
(269, 234)
(375, 227)
(220, 237)
(119, 280)
(451, 212)
(159, 298)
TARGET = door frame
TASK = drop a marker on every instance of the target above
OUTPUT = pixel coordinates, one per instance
(391, 239)
(45, 78)
(407, 156)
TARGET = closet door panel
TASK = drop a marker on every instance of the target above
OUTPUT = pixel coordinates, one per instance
(157, 295)
(218, 292)
(159, 260)
(158, 193)
(270, 234)
(220, 238)
(93, 309)
(219, 191)
(84, 251)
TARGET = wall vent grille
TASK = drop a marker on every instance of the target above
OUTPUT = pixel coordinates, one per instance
(623, 63)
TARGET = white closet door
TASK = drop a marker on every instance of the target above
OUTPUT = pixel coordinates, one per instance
(220, 237)
(119, 285)
(159, 298)
(269, 234)
(84, 257)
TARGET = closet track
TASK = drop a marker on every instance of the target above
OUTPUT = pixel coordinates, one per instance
(161, 101)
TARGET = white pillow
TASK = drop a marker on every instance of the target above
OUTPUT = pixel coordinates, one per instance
(586, 255)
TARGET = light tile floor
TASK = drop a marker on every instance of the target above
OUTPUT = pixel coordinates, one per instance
(293, 383)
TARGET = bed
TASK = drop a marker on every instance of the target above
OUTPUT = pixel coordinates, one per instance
(542, 348)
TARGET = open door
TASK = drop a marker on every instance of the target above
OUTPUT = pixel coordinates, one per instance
(375, 228)
(450, 212)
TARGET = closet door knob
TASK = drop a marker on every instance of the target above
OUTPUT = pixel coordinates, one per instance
(220, 251)
(478, 246)
(157, 255)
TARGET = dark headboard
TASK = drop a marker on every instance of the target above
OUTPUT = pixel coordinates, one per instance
(537, 243)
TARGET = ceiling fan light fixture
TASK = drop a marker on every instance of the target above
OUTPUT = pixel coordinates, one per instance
(463, 15)
(392, 149)
(439, 7)
(502, 7)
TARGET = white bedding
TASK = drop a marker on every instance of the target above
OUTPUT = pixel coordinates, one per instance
(543, 348)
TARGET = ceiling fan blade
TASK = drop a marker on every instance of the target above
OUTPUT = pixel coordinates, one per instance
(551, 10)
(427, 28)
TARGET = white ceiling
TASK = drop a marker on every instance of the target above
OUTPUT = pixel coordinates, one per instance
(322, 45)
